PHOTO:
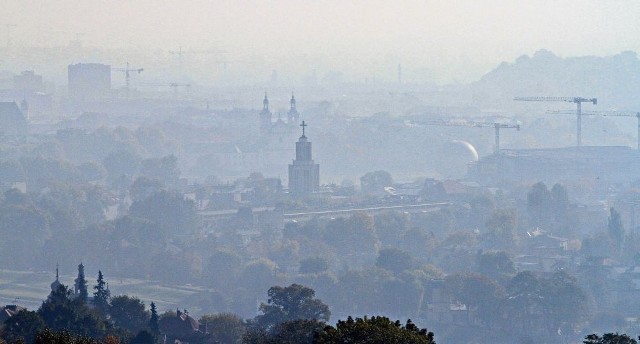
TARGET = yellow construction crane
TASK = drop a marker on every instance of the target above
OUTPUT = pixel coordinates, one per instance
(577, 100)
(605, 114)
(127, 75)
(464, 123)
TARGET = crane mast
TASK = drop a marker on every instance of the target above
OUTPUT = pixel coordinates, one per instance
(127, 75)
(577, 100)
(496, 126)
(608, 114)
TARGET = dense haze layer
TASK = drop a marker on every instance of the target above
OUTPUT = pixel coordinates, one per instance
(447, 41)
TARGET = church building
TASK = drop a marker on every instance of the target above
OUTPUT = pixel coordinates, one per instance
(304, 173)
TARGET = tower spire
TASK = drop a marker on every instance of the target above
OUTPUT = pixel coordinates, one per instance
(265, 102)
(57, 275)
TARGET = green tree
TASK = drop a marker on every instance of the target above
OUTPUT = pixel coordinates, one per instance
(128, 313)
(375, 182)
(22, 327)
(121, 162)
(395, 260)
(291, 303)
(501, 228)
(480, 294)
(313, 265)
(81, 285)
(524, 299)
(224, 327)
(301, 331)
(615, 227)
(102, 295)
(164, 169)
(539, 203)
(497, 265)
(153, 320)
(171, 213)
(560, 201)
(374, 330)
(60, 312)
(609, 338)
(565, 303)
(143, 337)
(62, 336)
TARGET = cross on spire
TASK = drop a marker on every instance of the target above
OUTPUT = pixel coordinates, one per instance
(303, 125)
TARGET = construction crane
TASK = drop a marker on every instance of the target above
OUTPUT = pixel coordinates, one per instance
(606, 114)
(175, 86)
(577, 100)
(127, 75)
(464, 123)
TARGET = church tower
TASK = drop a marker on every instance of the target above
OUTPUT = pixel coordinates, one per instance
(293, 116)
(265, 116)
(304, 174)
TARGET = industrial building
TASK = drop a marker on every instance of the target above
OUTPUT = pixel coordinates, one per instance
(606, 165)
(89, 80)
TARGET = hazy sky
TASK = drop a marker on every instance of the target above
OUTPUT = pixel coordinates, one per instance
(458, 39)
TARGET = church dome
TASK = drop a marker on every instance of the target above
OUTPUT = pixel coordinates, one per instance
(55, 285)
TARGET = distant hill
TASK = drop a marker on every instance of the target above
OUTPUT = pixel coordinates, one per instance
(614, 80)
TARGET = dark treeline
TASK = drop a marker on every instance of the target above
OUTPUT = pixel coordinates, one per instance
(291, 315)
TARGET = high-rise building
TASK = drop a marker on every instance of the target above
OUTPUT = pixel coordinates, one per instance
(28, 81)
(89, 80)
(304, 173)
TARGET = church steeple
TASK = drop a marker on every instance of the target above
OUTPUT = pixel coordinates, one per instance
(293, 115)
(265, 116)
(265, 102)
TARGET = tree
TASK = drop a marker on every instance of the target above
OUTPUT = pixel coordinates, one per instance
(291, 303)
(501, 228)
(63, 336)
(480, 294)
(560, 201)
(61, 312)
(539, 202)
(524, 299)
(291, 332)
(565, 302)
(172, 214)
(616, 230)
(224, 327)
(164, 169)
(81, 285)
(495, 264)
(102, 295)
(128, 313)
(395, 260)
(121, 162)
(609, 338)
(374, 330)
(375, 182)
(22, 326)
(153, 320)
(143, 337)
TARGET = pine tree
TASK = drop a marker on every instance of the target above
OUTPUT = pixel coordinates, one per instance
(153, 322)
(101, 295)
(616, 230)
(81, 285)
